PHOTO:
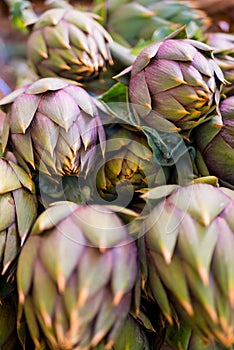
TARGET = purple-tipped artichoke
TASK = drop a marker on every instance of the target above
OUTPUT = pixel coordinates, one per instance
(178, 79)
(75, 276)
(189, 239)
(53, 124)
(223, 45)
(215, 145)
(68, 43)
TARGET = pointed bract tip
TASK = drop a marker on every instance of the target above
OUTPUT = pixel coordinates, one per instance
(83, 296)
(188, 307)
(43, 54)
(103, 248)
(212, 314)
(61, 282)
(21, 297)
(47, 319)
(118, 297)
(110, 344)
(204, 275)
(206, 218)
(231, 296)
(181, 81)
(169, 318)
(98, 337)
(167, 256)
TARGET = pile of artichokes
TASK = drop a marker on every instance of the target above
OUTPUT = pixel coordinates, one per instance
(117, 179)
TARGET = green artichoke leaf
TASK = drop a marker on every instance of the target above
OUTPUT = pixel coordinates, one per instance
(179, 33)
(116, 102)
(167, 148)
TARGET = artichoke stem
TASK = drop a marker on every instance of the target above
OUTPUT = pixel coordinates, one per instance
(22, 14)
(121, 54)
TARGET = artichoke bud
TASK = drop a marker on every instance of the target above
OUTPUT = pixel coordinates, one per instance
(80, 268)
(128, 167)
(176, 79)
(189, 239)
(68, 43)
(53, 125)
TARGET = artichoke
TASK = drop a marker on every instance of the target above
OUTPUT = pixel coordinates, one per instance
(68, 43)
(223, 45)
(215, 145)
(129, 166)
(18, 211)
(151, 20)
(53, 125)
(178, 79)
(189, 239)
(75, 277)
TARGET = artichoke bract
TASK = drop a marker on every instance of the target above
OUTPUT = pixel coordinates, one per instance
(68, 43)
(53, 125)
(215, 145)
(189, 239)
(75, 277)
(18, 210)
(178, 79)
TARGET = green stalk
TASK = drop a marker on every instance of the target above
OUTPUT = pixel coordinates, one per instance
(22, 14)
(122, 54)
